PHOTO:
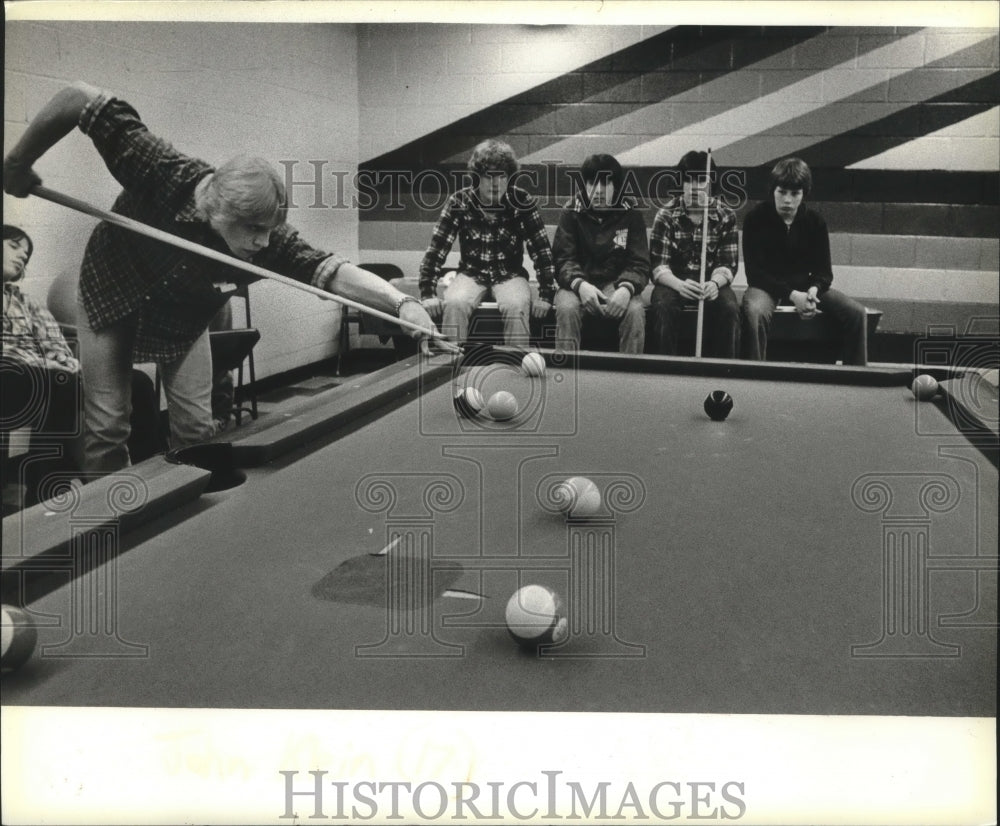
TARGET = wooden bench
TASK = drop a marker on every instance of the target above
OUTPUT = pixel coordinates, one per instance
(791, 338)
(817, 340)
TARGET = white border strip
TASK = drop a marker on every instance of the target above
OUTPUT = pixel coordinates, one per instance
(110, 766)
(972, 13)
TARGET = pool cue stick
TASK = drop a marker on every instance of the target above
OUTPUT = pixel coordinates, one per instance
(189, 246)
(704, 252)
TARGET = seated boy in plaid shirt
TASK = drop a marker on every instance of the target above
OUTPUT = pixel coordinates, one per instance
(492, 220)
(41, 383)
(675, 254)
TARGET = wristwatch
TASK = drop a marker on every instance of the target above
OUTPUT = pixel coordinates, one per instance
(402, 300)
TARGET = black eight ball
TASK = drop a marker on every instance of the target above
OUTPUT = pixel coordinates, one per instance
(718, 405)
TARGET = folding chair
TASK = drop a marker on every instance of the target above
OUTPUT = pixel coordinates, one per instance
(231, 350)
(366, 324)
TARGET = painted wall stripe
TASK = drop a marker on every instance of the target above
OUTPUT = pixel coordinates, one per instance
(970, 144)
(854, 130)
(767, 113)
(690, 50)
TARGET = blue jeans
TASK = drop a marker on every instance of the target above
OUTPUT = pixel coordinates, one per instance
(570, 314)
(465, 294)
(223, 387)
(106, 364)
(721, 322)
(848, 314)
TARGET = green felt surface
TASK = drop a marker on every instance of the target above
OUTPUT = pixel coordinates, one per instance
(736, 579)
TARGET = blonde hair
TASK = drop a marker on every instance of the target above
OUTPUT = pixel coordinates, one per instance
(247, 188)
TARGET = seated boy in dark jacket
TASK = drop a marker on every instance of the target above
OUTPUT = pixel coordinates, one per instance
(602, 259)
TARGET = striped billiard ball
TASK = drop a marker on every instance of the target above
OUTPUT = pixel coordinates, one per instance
(535, 616)
(468, 402)
(17, 639)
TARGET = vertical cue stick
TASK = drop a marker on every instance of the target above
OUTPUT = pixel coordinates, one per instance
(704, 252)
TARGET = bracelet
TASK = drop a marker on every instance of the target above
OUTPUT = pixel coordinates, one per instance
(402, 300)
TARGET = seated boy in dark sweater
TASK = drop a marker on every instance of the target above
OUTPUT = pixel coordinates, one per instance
(786, 251)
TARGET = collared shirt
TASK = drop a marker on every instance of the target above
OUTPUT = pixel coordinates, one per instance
(169, 292)
(675, 240)
(30, 332)
(491, 251)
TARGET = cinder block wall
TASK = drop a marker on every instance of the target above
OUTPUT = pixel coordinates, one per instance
(285, 92)
(900, 125)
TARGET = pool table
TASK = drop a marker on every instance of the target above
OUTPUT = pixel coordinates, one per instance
(830, 548)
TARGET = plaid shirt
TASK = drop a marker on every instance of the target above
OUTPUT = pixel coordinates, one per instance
(168, 291)
(675, 240)
(491, 251)
(30, 332)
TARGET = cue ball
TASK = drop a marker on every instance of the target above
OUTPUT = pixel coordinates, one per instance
(468, 402)
(533, 365)
(502, 405)
(924, 387)
(18, 639)
(578, 497)
(718, 405)
(535, 616)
